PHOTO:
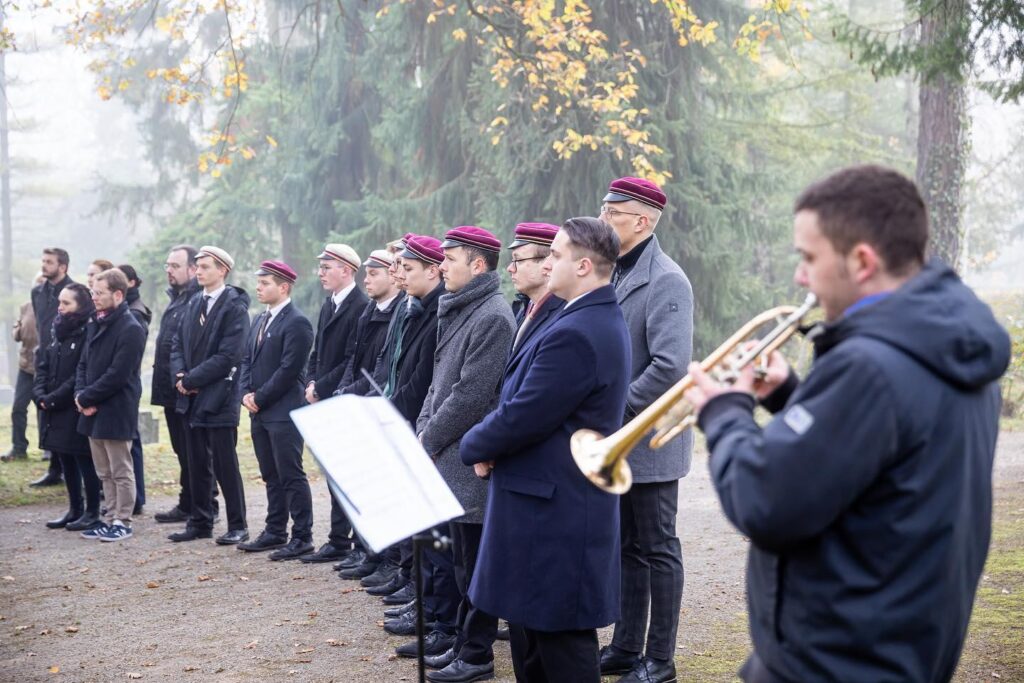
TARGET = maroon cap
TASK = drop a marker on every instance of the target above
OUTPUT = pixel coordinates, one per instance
(424, 248)
(278, 268)
(624, 189)
(534, 233)
(471, 236)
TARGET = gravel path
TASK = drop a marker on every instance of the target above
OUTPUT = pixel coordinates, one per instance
(77, 610)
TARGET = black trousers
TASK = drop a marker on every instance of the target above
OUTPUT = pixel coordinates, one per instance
(440, 591)
(278, 447)
(342, 534)
(19, 411)
(79, 470)
(177, 428)
(554, 656)
(212, 457)
(140, 475)
(652, 570)
(477, 629)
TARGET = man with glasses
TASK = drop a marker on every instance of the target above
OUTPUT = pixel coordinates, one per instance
(657, 302)
(531, 246)
(335, 342)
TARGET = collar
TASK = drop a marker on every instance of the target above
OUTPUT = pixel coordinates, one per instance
(274, 310)
(574, 300)
(339, 297)
(383, 305)
(864, 302)
(629, 259)
(214, 295)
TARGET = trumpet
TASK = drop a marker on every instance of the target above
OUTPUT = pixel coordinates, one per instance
(603, 459)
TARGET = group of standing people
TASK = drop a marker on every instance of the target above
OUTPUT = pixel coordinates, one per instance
(867, 500)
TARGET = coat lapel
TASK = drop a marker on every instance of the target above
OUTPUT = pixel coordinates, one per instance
(640, 275)
(550, 308)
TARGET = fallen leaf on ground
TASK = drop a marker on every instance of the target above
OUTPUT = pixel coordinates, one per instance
(54, 669)
(392, 657)
(8, 578)
(314, 614)
(153, 584)
(304, 651)
(191, 668)
(243, 578)
(204, 577)
(133, 675)
(249, 646)
(71, 629)
(45, 632)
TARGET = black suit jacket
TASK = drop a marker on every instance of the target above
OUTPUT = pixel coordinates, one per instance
(274, 370)
(209, 358)
(416, 362)
(335, 342)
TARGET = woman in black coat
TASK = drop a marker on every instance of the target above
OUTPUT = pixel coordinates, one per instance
(53, 392)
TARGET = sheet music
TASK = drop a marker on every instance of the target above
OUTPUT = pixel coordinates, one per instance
(376, 468)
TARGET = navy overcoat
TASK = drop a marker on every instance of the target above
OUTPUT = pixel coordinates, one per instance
(549, 557)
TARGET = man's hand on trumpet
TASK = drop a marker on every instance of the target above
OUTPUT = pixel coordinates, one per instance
(759, 382)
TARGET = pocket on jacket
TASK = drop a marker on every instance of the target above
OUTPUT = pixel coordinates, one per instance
(527, 486)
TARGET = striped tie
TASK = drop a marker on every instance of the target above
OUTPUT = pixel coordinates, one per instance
(202, 311)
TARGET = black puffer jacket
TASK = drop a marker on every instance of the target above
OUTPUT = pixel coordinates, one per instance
(54, 390)
(163, 392)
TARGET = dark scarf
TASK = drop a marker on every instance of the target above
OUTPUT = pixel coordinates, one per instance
(66, 325)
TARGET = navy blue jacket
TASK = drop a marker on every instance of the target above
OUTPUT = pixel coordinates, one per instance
(210, 358)
(416, 362)
(549, 557)
(275, 369)
(163, 392)
(108, 376)
(541, 319)
(868, 500)
(54, 385)
(335, 341)
(371, 333)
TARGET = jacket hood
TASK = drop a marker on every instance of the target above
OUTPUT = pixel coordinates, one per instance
(238, 293)
(187, 290)
(936, 319)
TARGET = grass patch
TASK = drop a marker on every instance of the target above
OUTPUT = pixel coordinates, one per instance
(161, 465)
(719, 658)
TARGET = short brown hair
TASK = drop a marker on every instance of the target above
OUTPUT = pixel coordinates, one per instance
(62, 256)
(103, 263)
(871, 204)
(596, 239)
(115, 279)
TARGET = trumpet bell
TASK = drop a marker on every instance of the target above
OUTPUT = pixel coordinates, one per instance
(590, 451)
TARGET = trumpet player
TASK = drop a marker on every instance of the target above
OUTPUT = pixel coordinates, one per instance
(868, 499)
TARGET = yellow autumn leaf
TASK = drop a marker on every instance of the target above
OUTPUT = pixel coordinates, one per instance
(104, 92)
(216, 174)
(459, 34)
(272, 141)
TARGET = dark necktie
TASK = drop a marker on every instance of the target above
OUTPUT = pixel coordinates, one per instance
(202, 310)
(263, 329)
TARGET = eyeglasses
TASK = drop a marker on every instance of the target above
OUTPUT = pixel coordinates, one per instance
(615, 212)
(514, 264)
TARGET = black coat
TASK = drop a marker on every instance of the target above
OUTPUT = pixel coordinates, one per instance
(868, 500)
(371, 332)
(416, 361)
(108, 376)
(335, 342)
(55, 387)
(275, 369)
(44, 305)
(163, 392)
(209, 357)
(141, 311)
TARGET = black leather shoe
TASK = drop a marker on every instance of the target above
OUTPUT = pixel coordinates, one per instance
(83, 523)
(48, 479)
(385, 572)
(502, 632)
(440, 661)
(434, 643)
(361, 571)
(326, 553)
(402, 596)
(352, 560)
(173, 516)
(190, 534)
(404, 625)
(263, 542)
(460, 671)
(233, 537)
(616, 661)
(14, 455)
(61, 522)
(137, 510)
(295, 549)
(649, 670)
(396, 612)
(396, 583)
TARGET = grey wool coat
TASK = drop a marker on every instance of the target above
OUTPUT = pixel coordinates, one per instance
(475, 329)
(657, 302)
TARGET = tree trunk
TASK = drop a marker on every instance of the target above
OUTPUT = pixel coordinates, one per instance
(6, 270)
(943, 138)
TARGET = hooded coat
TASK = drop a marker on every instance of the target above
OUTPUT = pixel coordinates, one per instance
(868, 499)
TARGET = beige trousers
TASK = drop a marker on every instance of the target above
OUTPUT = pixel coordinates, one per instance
(113, 461)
